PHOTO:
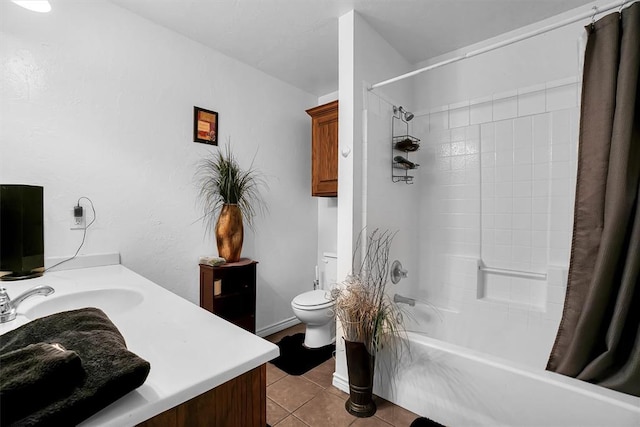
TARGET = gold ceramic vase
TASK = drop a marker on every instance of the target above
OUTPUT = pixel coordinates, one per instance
(230, 233)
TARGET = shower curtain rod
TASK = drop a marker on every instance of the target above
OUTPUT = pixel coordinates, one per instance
(590, 14)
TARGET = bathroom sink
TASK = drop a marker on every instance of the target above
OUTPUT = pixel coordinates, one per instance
(111, 301)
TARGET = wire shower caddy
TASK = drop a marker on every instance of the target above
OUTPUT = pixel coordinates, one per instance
(404, 143)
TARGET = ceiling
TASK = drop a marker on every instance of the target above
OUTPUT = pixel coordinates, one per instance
(297, 40)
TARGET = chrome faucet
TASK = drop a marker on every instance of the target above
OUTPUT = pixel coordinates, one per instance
(8, 306)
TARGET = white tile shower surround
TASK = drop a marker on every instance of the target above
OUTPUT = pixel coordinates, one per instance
(497, 183)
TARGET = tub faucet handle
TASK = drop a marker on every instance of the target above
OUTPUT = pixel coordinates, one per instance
(397, 272)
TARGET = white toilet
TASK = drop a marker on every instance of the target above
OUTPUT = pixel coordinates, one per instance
(315, 308)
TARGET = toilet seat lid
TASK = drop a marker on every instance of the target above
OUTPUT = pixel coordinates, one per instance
(313, 298)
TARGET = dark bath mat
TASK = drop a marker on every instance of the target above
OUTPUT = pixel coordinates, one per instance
(425, 422)
(296, 359)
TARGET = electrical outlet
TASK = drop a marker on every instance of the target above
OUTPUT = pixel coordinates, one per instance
(78, 223)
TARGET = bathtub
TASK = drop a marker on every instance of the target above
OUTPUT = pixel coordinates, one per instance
(458, 386)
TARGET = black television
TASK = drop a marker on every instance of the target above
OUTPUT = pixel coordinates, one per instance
(21, 231)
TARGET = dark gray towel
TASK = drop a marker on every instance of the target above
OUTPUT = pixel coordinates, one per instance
(110, 370)
(35, 374)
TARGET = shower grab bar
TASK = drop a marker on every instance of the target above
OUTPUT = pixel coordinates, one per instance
(399, 299)
(515, 273)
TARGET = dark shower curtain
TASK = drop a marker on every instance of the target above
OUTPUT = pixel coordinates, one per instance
(599, 336)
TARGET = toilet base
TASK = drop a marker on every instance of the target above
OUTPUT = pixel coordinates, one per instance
(319, 336)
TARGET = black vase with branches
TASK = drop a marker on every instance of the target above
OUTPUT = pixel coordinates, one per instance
(370, 319)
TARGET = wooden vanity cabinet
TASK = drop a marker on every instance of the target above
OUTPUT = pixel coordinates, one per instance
(229, 291)
(241, 401)
(324, 150)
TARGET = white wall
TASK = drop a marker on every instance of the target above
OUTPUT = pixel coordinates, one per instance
(393, 206)
(522, 98)
(500, 133)
(365, 57)
(327, 210)
(98, 102)
(548, 57)
(499, 138)
(497, 181)
(498, 190)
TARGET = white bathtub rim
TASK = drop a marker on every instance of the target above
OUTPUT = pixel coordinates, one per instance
(613, 397)
(471, 416)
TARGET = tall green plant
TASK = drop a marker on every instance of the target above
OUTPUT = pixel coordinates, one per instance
(222, 181)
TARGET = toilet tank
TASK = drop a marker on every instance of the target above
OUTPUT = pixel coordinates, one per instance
(328, 270)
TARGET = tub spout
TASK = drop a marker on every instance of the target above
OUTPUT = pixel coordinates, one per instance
(399, 299)
(9, 307)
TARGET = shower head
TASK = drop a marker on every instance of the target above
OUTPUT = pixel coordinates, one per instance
(407, 115)
(404, 114)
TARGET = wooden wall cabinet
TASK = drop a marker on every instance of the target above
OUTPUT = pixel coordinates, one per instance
(229, 291)
(324, 150)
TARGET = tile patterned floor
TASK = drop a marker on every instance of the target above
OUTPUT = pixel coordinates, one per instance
(309, 400)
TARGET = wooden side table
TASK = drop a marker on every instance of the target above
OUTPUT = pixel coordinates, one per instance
(229, 291)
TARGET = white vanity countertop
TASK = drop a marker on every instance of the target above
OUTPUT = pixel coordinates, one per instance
(190, 350)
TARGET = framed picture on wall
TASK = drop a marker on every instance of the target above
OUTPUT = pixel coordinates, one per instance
(205, 126)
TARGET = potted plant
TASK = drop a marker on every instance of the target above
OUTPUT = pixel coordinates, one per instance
(229, 195)
(370, 320)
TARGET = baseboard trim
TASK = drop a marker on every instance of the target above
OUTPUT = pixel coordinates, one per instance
(340, 382)
(277, 327)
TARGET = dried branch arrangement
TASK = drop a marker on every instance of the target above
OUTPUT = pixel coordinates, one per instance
(366, 312)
